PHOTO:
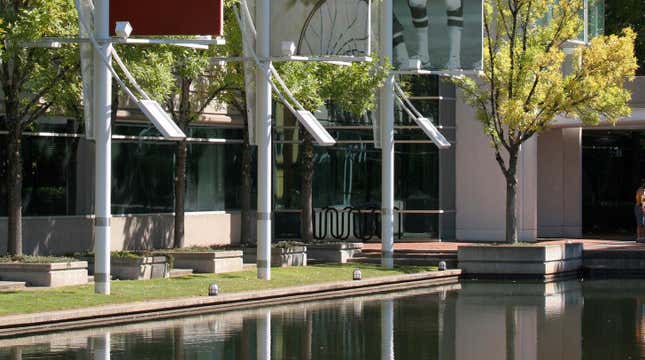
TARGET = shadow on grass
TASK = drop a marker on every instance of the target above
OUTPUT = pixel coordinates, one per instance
(189, 277)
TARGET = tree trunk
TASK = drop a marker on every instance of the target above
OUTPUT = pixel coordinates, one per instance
(180, 164)
(306, 188)
(180, 193)
(245, 188)
(511, 198)
(14, 190)
(115, 106)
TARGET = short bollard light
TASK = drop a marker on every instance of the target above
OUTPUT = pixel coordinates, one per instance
(213, 290)
(442, 265)
(357, 274)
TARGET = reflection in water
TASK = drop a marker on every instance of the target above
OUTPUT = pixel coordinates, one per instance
(564, 320)
(102, 347)
(387, 330)
(264, 336)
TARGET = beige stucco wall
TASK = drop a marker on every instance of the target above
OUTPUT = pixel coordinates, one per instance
(68, 234)
(481, 188)
(560, 183)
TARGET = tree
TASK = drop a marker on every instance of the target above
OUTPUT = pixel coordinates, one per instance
(196, 85)
(351, 88)
(34, 81)
(524, 87)
(628, 13)
(186, 82)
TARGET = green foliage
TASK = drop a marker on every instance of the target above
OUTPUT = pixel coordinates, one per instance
(352, 87)
(628, 13)
(39, 79)
(26, 259)
(525, 87)
(287, 244)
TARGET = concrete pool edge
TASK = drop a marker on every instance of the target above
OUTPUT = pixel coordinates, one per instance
(27, 324)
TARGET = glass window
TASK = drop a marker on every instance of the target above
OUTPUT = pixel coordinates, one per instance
(142, 177)
(50, 182)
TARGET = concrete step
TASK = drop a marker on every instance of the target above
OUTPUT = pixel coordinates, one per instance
(12, 285)
(180, 272)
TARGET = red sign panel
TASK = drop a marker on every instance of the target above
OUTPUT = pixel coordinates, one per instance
(169, 17)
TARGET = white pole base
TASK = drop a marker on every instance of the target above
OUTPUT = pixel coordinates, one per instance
(387, 260)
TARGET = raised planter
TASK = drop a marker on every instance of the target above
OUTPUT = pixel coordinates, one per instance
(281, 256)
(45, 274)
(140, 268)
(134, 268)
(532, 261)
(339, 252)
(208, 262)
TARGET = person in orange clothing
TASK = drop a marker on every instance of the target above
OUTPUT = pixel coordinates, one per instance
(639, 208)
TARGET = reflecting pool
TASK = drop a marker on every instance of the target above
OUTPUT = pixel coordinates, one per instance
(599, 319)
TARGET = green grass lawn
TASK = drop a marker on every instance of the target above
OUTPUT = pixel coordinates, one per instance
(27, 301)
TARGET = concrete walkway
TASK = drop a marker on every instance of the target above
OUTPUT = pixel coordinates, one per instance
(451, 247)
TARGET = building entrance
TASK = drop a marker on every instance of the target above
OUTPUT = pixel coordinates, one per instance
(612, 168)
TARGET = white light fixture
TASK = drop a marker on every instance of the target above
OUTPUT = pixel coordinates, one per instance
(315, 128)
(213, 289)
(161, 120)
(288, 48)
(357, 275)
(123, 29)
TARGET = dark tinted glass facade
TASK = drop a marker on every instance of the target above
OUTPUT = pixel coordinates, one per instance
(347, 176)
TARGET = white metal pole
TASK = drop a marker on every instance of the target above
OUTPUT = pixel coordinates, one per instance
(386, 109)
(103, 157)
(263, 120)
(387, 330)
(263, 335)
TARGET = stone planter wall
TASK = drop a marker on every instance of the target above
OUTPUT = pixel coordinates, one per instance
(280, 257)
(48, 274)
(520, 261)
(208, 262)
(144, 268)
(334, 252)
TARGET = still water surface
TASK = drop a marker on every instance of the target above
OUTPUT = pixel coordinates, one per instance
(601, 319)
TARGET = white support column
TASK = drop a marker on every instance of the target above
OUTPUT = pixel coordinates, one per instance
(263, 335)
(103, 162)
(386, 108)
(387, 330)
(263, 119)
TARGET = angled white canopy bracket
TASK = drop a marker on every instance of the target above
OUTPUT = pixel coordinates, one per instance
(315, 128)
(424, 123)
(161, 120)
(432, 132)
